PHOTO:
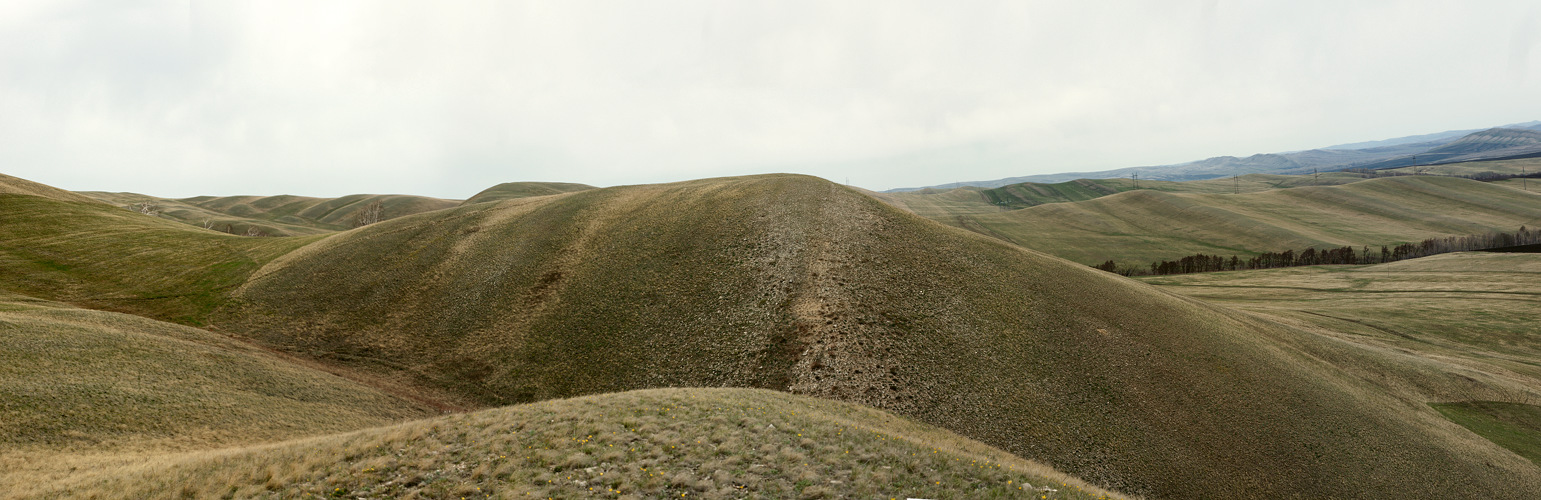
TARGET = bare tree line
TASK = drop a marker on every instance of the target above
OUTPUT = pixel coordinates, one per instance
(153, 209)
(369, 215)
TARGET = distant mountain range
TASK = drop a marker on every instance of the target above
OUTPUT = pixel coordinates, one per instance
(1517, 140)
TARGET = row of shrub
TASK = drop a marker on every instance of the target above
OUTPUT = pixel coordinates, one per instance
(1199, 263)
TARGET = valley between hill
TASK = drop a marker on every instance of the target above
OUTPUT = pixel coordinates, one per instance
(779, 282)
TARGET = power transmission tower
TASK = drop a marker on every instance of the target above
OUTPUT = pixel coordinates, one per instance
(1136, 180)
(1236, 182)
(1315, 178)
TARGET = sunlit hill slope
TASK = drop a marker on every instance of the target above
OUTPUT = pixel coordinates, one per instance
(1137, 227)
(794, 283)
(697, 443)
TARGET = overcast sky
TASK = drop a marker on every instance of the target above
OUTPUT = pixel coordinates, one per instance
(446, 98)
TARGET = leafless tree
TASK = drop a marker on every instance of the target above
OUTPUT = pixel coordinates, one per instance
(253, 231)
(369, 215)
(147, 207)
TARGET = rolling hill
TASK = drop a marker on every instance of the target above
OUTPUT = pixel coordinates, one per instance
(1137, 227)
(288, 215)
(1471, 305)
(92, 254)
(19, 186)
(283, 215)
(81, 389)
(1485, 145)
(946, 205)
(780, 282)
(712, 443)
(1507, 167)
(1471, 311)
(794, 283)
(106, 404)
(511, 190)
(205, 218)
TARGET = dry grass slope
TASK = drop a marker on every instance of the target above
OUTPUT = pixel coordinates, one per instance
(96, 255)
(17, 185)
(1510, 167)
(1466, 313)
(195, 215)
(323, 213)
(794, 283)
(511, 190)
(1475, 309)
(85, 388)
(1138, 227)
(947, 205)
(696, 443)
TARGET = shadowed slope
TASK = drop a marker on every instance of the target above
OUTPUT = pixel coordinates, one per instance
(1140, 226)
(707, 443)
(511, 190)
(795, 283)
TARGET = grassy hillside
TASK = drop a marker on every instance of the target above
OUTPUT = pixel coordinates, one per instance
(1526, 165)
(947, 206)
(17, 185)
(324, 213)
(511, 190)
(709, 443)
(1029, 194)
(1141, 226)
(288, 215)
(99, 256)
(1472, 312)
(80, 387)
(794, 283)
(1473, 306)
(201, 217)
(1515, 426)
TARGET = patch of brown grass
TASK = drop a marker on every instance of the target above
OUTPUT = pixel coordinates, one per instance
(702, 443)
(84, 390)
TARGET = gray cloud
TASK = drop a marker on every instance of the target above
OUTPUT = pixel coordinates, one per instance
(180, 98)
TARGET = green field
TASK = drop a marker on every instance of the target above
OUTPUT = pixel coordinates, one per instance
(1516, 426)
